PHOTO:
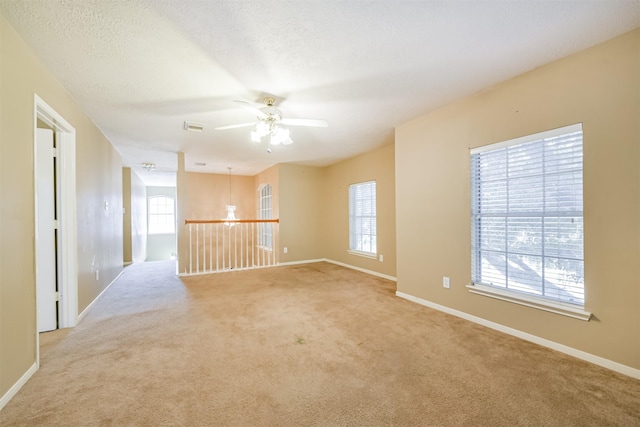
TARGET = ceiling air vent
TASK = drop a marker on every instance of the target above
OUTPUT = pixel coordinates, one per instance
(193, 126)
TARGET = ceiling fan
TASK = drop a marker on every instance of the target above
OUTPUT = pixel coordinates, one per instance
(269, 123)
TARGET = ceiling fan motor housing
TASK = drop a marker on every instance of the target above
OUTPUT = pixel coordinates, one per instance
(273, 114)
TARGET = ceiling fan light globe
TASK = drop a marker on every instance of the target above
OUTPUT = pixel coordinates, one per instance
(262, 128)
(255, 137)
(279, 135)
(274, 140)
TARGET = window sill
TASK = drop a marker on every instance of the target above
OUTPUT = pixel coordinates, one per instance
(363, 254)
(264, 248)
(530, 301)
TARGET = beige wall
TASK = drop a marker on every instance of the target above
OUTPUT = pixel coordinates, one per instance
(314, 210)
(312, 204)
(301, 212)
(208, 196)
(598, 87)
(127, 252)
(99, 180)
(204, 196)
(99, 206)
(376, 165)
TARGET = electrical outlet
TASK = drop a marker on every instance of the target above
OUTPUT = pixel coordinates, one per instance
(286, 249)
(381, 258)
(446, 283)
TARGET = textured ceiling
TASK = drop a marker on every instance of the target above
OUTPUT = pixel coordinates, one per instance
(140, 68)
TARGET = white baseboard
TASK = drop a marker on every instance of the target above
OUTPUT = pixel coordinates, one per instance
(363, 270)
(17, 386)
(226, 270)
(353, 267)
(86, 310)
(305, 261)
(597, 360)
(32, 370)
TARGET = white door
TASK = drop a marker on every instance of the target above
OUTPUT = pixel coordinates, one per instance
(45, 232)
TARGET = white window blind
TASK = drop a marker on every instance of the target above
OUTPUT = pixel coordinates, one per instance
(161, 215)
(362, 217)
(527, 216)
(265, 235)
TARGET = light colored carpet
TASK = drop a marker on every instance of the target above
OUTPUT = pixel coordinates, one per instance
(314, 344)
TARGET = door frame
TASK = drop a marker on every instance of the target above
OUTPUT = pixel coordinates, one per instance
(67, 220)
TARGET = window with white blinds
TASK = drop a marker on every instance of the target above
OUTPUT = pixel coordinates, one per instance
(362, 218)
(265, 231)
(527, 220)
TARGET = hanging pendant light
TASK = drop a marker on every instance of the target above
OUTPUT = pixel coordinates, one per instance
(231, 209)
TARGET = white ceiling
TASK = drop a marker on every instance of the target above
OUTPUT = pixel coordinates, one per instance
(140, 68)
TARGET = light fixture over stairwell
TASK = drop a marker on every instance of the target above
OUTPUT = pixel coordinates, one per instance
(231, 209)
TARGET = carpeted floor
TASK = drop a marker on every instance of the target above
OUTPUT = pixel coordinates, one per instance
(314, 344)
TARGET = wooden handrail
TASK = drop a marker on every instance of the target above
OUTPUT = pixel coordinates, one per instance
(226, 221)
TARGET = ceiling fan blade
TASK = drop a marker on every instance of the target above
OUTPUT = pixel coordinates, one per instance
(250, 107)
(241, 125)
(305, 122)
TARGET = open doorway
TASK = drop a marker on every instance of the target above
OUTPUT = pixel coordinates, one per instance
(55, 214)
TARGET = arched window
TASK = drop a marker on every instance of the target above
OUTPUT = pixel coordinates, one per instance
(265, 211)
(161, 215)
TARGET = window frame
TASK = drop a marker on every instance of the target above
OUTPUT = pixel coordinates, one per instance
(358, 220)
(265, 211)
(150, 214)
(549, 303)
